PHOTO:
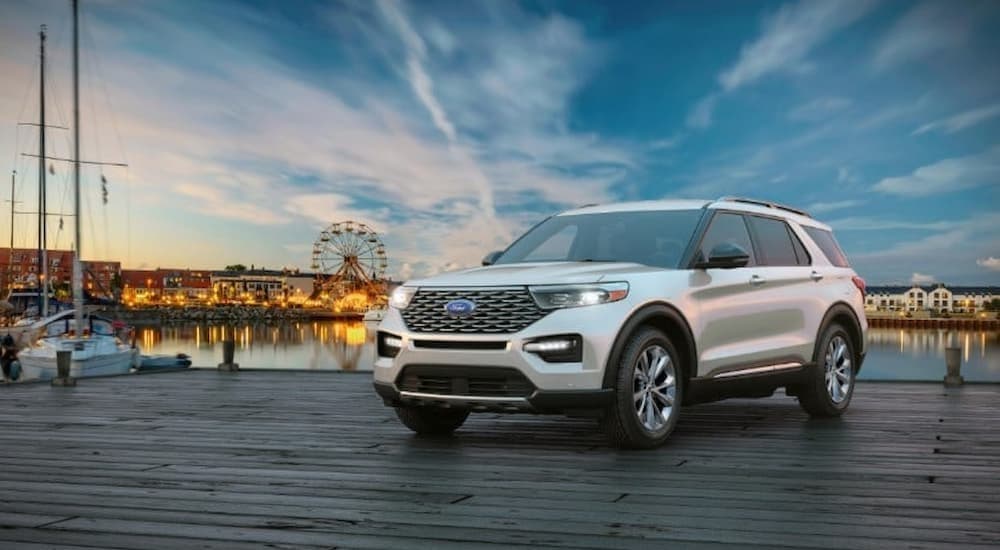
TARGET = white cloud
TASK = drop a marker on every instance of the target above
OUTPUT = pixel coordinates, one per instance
(788, 36)
(990, 263)
(701, 115)
(949, 251)
(961, 121)
(819, 109)
(922, 279)
(845, 175)
(947, 175)
(877, 224)
(278, 153)
(665, 143)
(894, 112)
(823, 207)
(928, 28)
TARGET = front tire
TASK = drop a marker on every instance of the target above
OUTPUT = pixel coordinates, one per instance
(648, 386)
(828, 391)
(431, 420)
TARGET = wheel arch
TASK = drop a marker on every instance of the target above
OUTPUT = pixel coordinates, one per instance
(669, 320)
(843, 314)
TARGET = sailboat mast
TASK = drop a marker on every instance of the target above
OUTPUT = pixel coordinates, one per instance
(43, 267)
(77, 266)
(10, 254)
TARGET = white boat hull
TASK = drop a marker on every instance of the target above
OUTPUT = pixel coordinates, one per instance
(34, 367)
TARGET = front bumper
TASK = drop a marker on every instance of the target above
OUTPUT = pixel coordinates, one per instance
(540, 401)
(551, 386)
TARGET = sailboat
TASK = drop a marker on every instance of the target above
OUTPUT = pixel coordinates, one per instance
(94, 348)
(20, 299)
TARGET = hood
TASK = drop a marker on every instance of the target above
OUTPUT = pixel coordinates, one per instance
(542, 273)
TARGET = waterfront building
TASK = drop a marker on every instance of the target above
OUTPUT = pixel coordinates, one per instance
(936, 298)
(20, 269)
(263, 286)
(166, 286)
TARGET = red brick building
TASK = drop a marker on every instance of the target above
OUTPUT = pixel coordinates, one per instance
(163, 285)
(20, 268)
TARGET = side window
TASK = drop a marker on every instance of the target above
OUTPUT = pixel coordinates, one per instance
(557, 247)
(774, 242)
(727, 227)
(800, 249)
(825, 241)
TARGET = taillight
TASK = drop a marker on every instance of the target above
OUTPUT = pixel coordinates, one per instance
(860, 283)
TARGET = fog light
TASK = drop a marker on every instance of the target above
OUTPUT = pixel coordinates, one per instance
(393, 342)
(389, 345)
(567, 348)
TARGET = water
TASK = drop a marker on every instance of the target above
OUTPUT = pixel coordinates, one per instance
(893, 354)
(918, 354)
(319, 345)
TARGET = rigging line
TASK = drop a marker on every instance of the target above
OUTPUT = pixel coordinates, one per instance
(24, 105)
(102, 81)
(90, 62)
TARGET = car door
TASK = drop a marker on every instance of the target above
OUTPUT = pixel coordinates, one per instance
(735, 321)
(787, 284)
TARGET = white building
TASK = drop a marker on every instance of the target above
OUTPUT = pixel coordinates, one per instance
(938, 298)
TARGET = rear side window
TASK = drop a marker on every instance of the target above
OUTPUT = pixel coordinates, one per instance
(825, 241)
(774, 241)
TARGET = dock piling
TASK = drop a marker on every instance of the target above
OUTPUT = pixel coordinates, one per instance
(63, 361)
(953, 362)
(228, 355)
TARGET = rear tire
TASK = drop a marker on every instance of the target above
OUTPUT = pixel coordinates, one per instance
(431, 420)
(830, 385)
(648, 392)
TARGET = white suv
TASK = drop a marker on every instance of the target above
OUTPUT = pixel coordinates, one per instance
(624, 312)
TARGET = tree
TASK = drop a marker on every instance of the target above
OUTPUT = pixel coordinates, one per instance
(992, 305)
(236, 267)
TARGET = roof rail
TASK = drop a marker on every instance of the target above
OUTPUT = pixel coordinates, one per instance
(768, 204)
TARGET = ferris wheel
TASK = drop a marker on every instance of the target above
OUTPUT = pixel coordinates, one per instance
(349, 256)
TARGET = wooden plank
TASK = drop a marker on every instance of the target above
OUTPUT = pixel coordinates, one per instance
(314, 460)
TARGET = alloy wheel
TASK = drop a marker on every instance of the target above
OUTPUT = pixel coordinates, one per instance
(654, 387)
(838, 369)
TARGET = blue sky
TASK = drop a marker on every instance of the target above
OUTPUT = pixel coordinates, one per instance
(451, 126)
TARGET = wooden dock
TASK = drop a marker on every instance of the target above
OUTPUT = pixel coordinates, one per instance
(203, 459)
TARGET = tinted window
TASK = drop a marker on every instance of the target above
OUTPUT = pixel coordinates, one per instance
(656, 238)
(825, 241)
(773, 241)
(727, 228)
(800, 250)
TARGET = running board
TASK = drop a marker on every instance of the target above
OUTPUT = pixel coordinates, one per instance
(758, 370)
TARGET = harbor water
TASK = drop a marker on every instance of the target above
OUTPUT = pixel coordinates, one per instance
(893, 354)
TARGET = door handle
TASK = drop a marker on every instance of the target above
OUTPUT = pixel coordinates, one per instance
(757, 280)
(816, 276)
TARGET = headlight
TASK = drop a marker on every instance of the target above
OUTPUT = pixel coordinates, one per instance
(554, 297)
(401, 297)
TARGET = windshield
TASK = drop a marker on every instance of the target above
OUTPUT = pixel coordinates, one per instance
(655, 238)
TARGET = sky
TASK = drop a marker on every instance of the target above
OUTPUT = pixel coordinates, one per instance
(452, 127)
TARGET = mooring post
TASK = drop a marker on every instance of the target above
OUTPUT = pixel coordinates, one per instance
(953, 362)
(63, 361)
(228, 353)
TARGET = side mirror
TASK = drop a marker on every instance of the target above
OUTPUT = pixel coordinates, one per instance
(725, 256)
(491, 258)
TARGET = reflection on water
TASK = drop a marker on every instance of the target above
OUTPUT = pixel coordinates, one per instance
(918, 354)
(893, 354)
(318, 345)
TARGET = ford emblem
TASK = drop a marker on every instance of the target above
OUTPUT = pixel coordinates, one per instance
(460, 308)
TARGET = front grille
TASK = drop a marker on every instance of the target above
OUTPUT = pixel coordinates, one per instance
(469, 381)
(498, 311)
